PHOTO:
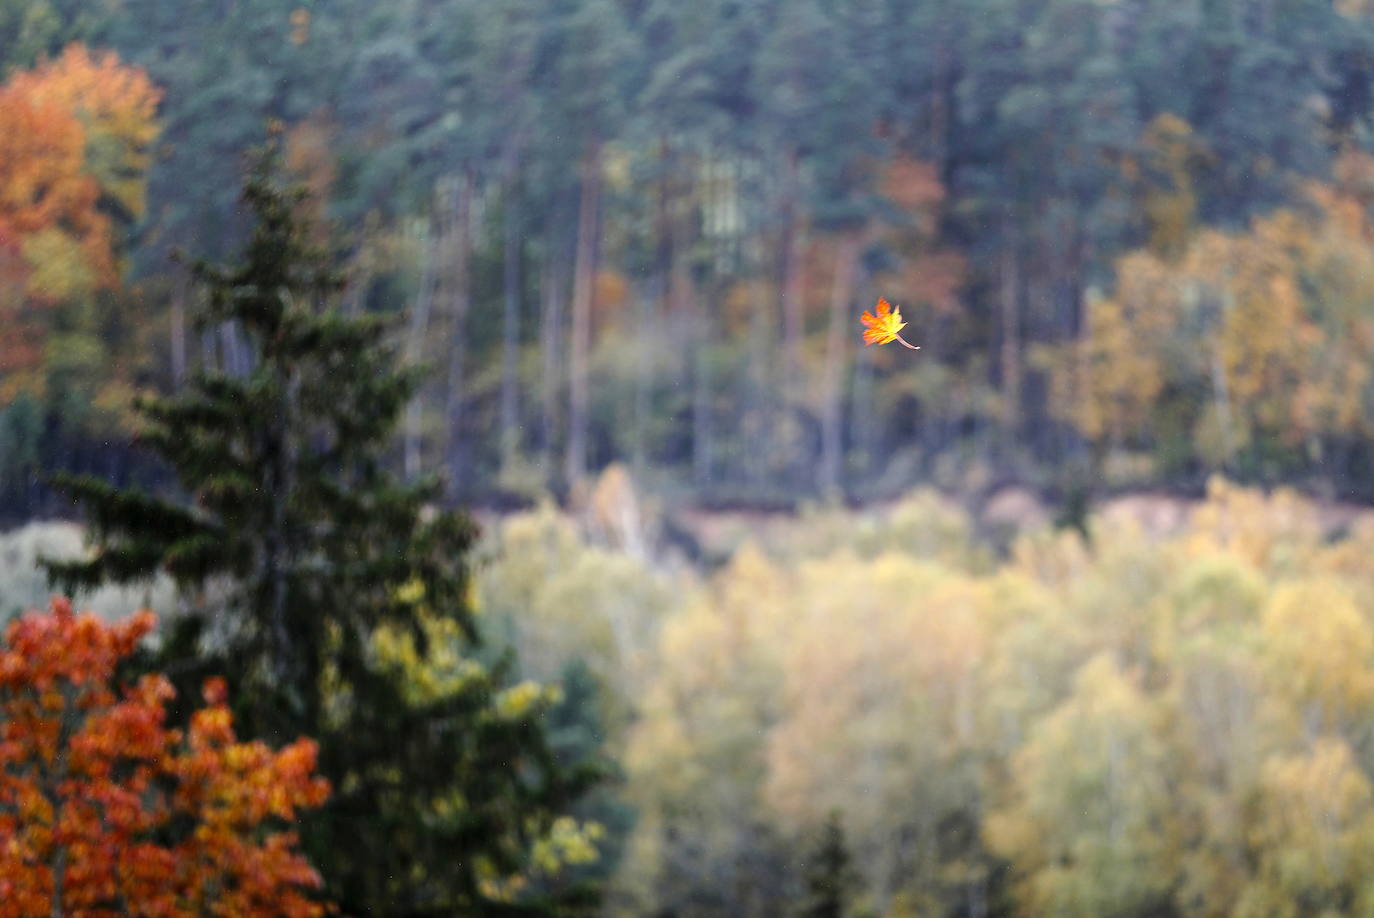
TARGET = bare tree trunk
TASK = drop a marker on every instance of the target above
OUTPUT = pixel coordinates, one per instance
(208, 362)
(646, 309)
(793, 316)
(699, 339)
(760, 428)
(180, 292)
(236, 357)
(458, 301)
(1221, 398)
(1011, 333)
(836, 361)
(791, 277)
(415, 344)
(510, 326)
(652, 308)
(584, 276)
(551, 344)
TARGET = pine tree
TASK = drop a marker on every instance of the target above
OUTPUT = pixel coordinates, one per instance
(335, 595)
(830, 880)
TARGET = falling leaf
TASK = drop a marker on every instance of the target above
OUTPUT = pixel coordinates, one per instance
(886, 326)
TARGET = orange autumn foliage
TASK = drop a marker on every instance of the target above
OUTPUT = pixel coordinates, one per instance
(116, 105)
(104, 811)
(75, 132)
(44, 184)
(76, 137)
(45, 195)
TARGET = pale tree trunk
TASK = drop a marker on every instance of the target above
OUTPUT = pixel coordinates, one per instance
(681, 205)
(652, 308)
(793, 314)
(510, 327)
(679, 195)
(235, 362)
(687, 318)
(180, 292)
(1221, 391)
(791, 278)
(760, 429)
(457, 306)
(208, 363)
(415, 346)
(1010, 302)
(584, 279)
(699, 339)
(763, 359)
(646, 310)
(551, 345)
(847, 252)
(360, 273)
(238, 354)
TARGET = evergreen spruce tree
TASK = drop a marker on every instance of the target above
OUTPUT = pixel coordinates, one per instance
(301, 559)
(830, 880)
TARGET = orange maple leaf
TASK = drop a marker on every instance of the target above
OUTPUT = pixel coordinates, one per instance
(886, 326)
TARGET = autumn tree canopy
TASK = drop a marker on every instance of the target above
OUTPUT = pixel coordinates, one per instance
(76, 136)
(106, 811)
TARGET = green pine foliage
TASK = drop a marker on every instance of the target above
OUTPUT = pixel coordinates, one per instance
(830, 880)
(296, 551)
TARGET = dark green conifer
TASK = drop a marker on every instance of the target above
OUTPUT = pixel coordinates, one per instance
(294, 546)
(830, 880)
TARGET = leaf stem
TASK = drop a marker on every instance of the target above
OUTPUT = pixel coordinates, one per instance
(914, 347)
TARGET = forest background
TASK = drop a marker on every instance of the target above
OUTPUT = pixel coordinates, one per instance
(1132, 237)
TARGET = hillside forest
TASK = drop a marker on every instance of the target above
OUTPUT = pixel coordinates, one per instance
(443, 471)
(1131, 236)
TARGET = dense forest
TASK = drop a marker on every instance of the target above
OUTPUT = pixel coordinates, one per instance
(1131, 237)
(1168, 719)
(752, 619)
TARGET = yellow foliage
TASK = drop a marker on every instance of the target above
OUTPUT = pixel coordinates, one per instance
(1172, 719)
(442, 671)
(1273, 325)
(1161, 178)
(525, 699)
(567, 843)
(61, 268)
(1089, 825)
(1320, 649)
(1314, 841)
(566, 599)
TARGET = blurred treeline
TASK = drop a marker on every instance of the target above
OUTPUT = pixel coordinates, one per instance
(1158, 721)
(1131, 237)
(1170, 717)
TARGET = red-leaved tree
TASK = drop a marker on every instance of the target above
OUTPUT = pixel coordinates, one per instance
(104, 811)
